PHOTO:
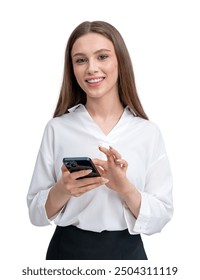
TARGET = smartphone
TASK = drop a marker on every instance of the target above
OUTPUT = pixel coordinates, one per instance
(81, 163)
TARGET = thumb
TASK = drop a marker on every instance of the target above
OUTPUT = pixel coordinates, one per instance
(64, 169)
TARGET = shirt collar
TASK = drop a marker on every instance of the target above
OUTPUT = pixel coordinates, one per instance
(131, 110)
(72, 109)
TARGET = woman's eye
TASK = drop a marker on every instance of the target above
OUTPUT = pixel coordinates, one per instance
(80, 60)
(103, 56)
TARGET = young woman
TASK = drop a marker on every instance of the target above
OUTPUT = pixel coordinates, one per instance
(99, 115)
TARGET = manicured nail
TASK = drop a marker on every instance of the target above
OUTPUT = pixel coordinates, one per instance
(88, 171)
(104, 180)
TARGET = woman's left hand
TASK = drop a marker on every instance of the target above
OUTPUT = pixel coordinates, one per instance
(114, 169)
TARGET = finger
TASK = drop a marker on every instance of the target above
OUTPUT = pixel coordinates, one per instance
(78, 192)
(64, 169)
(100, 163)
(81, 173)
(82, 189)
(91, 181)
(107, 152)
(123, 163)
(115, 153)
(101, 170)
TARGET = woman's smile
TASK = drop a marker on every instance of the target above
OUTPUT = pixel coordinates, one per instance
(94, 82)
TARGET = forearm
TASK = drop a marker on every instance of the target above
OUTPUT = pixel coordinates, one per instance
(132, 198)
(57, 198)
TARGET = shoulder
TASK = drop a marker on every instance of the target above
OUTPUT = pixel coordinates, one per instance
(149, 126)
(139, 122)
(57, 121)
(71, 115)
(147, 132)
(143, 125)
(149, 135)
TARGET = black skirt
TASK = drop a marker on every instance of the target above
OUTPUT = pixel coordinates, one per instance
(71, 243)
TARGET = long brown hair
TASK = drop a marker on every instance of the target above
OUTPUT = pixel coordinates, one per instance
(71, 94)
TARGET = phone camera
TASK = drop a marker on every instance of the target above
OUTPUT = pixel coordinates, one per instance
(73, 164)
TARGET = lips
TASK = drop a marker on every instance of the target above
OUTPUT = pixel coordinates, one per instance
(94, 81)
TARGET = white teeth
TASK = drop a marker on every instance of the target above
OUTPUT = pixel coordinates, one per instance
(95, 80)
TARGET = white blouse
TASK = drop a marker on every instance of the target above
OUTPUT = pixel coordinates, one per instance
(140, 143)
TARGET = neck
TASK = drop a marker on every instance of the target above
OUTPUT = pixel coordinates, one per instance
(106, 113)
(104, 108)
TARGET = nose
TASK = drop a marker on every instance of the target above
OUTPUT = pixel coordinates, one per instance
(92, 66)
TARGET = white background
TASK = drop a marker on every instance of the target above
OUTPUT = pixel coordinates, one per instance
(163, 41)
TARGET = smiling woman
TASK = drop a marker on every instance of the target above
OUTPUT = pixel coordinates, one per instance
(95, 67)
(99, 115)
(72, 94)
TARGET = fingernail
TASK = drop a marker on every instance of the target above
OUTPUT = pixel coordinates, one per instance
(104, 180)
(88, 171)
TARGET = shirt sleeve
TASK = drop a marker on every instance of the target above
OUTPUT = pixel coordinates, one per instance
(156, 198)
(43, 179)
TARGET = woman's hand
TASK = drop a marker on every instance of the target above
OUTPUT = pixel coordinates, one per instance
(114, 169)
(73, 187)
(69, 186)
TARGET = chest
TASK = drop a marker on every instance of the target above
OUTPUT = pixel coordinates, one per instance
(77, 141)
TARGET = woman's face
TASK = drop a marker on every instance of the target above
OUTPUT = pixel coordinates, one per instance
(95, 65)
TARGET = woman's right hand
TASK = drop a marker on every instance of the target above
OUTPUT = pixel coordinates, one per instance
(69, 186)
(72, 186)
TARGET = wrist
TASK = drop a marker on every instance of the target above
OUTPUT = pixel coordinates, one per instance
(60, 191)
(128, 188)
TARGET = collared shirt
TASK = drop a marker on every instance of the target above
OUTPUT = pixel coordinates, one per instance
(140, 143)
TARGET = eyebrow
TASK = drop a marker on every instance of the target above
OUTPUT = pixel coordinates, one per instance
(98, 51)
